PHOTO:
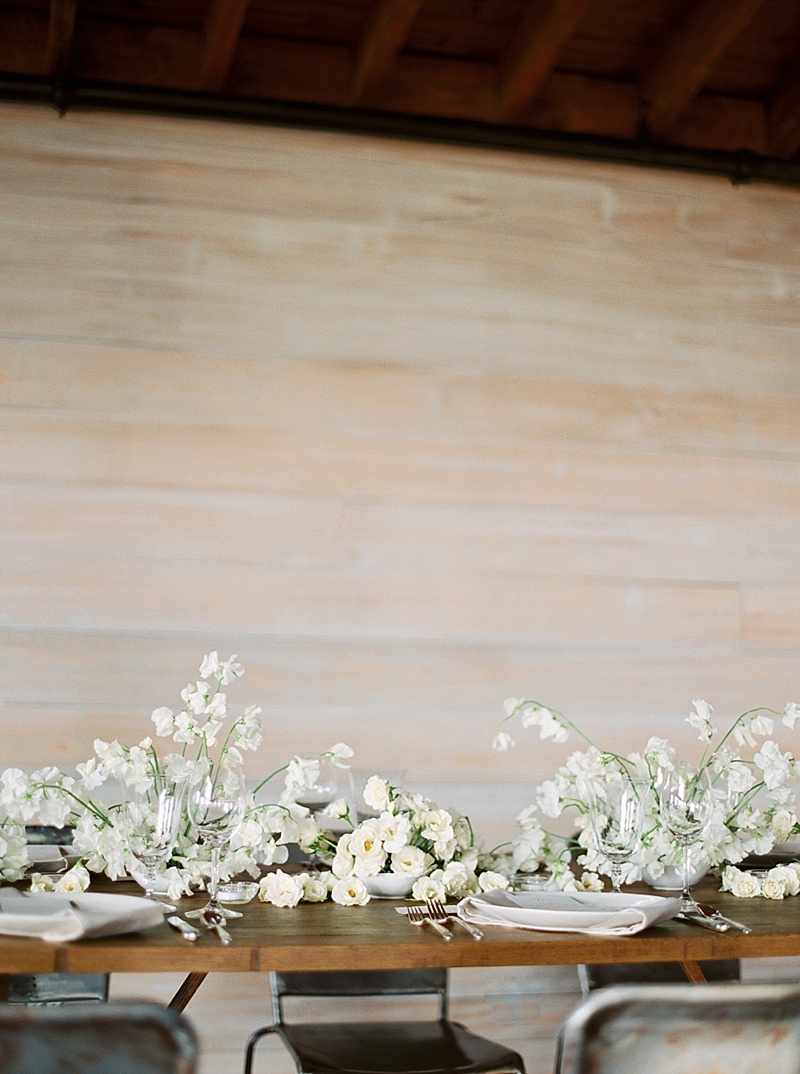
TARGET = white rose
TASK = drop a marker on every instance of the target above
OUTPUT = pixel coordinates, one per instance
(773, 887)
(437, 825)
(586, 882)
(350, 892)
(376, 794)
(393, 831)
(315, 890)
(410, 861)
(490, 881)
(367, 850)
(456, 878)
(77, 879)
(281, 889)
(739, 883)
(427, 887)
(41, 882)
(783, 823)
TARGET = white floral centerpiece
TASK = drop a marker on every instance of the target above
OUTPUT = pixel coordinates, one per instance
(755, 804)
(206, 735)
(411, 838)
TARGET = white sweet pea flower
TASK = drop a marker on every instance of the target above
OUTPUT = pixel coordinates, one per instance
(92, 774)
(350, 891)
(776, 766)
(224, 671)
(791, 712)
(502, 742)
(701, 720)
(164, 720)
(428, 887)
(248, 734)
(195, 697)
(301, 772)
(746, 728)
(338, 754)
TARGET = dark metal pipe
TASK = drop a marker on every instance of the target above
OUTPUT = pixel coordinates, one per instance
(741, 167)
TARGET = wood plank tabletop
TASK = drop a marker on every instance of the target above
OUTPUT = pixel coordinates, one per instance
(326, 936)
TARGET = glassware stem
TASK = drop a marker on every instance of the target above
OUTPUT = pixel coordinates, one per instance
(616, 876)
(214, 881)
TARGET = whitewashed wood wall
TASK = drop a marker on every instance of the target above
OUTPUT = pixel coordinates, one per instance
(410, 428)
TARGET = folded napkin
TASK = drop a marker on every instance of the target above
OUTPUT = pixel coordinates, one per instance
(598, 912)
(59, 917)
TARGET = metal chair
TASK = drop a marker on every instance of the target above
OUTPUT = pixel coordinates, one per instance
(108, 1038)
(432, 1046)
(684, 1029)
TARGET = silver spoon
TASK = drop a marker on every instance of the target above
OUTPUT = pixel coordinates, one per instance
(213, 919)
(713, 913)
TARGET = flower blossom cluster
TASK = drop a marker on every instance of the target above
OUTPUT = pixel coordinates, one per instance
(410, 836)
(775, 883)
(755, 805)
(205, 735)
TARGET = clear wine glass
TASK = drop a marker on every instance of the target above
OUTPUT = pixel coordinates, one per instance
(151, 815)
(686, 808)
(216, 809)
(616, 814)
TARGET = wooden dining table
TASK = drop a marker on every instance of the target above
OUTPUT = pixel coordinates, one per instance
(325, 936)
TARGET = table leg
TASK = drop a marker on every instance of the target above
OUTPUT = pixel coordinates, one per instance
(187, 990)
(694, 973)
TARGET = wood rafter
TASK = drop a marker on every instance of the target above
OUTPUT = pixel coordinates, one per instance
(783, 115)
(223, 26)
(689, 57)
(384, 34)
(532, 58)
(60, 37)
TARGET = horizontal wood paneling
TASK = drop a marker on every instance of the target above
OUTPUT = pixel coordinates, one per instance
(411, 428)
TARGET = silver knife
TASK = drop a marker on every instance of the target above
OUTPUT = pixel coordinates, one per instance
(715, 925)
(184, 928)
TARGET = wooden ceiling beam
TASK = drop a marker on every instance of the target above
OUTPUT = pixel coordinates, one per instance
(532, 57)
(783, 115)
(383, 36)
(223, 27)
(60, 37)
(690, 56)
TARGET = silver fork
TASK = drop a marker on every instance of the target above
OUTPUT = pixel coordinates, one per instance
(417, 916)
(438, 912)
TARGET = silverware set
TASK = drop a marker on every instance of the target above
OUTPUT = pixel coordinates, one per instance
(212, 921)
(435, 914)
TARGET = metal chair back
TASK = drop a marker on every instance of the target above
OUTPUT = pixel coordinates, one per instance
(684, 1029)
(104, 1038)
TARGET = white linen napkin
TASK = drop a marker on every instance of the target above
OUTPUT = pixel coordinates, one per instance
(58, 917)
(598, 912)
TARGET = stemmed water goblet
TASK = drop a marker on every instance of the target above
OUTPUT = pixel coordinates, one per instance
(216, 809)
(616, 815)
(686, 808)
(151, 814)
